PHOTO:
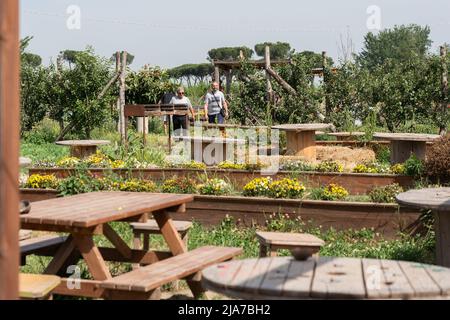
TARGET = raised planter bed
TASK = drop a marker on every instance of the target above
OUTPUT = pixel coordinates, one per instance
(387, 219)
(355, 183)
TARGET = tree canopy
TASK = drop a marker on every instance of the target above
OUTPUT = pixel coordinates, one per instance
(278, 50)
(400, 44)
(229, 53)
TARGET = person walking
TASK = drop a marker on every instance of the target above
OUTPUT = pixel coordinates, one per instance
(180, 121)
(216, 106)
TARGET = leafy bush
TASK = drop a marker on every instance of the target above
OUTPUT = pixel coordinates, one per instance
(297, 166)
(135, 185)
(437, 164)
(385, 194)
(231, 165)
(331, 192)
(179, 185)
(215, 187)
(371, 167)
(68, 162)
(80, 182)
(329, 166)
(398, 168)
(37, 181)
(413, 166)
(257, 187)
(286, 188)
(187, 165)
(45, 131)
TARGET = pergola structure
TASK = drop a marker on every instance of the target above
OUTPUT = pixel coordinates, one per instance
(9, 149)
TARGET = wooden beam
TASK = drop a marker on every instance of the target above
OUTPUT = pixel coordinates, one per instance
(444, 104)
(281, 81)
(267, 66)
(9, 149)
(123, 70)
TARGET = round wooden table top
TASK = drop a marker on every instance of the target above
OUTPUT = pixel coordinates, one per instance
(406, 136)
(211, 139)
(327, 278)
(83, 143)
(302, 126)
(429, 198)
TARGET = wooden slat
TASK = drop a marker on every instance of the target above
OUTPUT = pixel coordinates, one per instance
(147, 278)
(338, 278)
(151, 225)
(36, 286)
(95, 208)
(441, 277)
(259, 271)
(299, 279)
(245, 272)
(136, 277)
(376, 288)
(419, 279)
(289, 239)
(33, 245)
(397, 282)
(275, 277)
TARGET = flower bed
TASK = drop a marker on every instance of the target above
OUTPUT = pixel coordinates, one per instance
(385, 218)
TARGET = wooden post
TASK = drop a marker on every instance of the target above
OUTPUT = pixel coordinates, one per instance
(9, 149)
(443, 128)
(324, 67)
(267, 67)
(228, 81)
(216, 74)
(123, 75)
(118, 98)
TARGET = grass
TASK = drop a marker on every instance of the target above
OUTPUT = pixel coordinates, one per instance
(45, 151)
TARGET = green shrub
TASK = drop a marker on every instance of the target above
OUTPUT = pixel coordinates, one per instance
(45, 131)
(179, 185)
(382, 154)
(371, 167)
(398, 168)
(257, 187)
(413, 166)
(437, 164)
(297, 166)
(332, 192)
(215, 187)
(385, 194)
(329, 166)
(38, 181)
(286, 188)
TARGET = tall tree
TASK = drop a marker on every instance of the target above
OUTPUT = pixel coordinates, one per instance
(278, 50)
(399, 44)
(229, 53)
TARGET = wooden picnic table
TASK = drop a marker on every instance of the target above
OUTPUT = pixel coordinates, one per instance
(327, 278)
(213, 150)
(82, 148)
(437, 200)
(301, 138)
(404, 144)
(86, 215)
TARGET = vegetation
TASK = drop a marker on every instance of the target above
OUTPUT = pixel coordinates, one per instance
(437, 164)
(385, 194)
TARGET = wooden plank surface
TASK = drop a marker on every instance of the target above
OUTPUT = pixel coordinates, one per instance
(289, 239)
(302, 127)
(406, 136)
(428, 198)
(90, 209)
(35, 286)
(328, 278)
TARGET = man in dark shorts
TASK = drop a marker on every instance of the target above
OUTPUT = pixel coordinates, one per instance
(180, 121)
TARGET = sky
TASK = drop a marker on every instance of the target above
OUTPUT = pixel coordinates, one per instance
(174, 32)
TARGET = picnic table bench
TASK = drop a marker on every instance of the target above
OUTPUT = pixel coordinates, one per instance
(37, 286)
(85, 215)
(82, 148)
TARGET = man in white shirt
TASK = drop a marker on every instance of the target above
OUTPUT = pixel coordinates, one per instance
(180, 121)
(216, 106)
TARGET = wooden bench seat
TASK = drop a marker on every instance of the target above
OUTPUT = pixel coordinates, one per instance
(151, 277)
(302, 245)
(37, 286)
(43, 245)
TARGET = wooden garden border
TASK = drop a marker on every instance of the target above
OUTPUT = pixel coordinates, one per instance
(355, 183)
(387, 219)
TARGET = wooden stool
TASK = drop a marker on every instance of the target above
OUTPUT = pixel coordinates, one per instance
(302, 245)
(37, 286)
